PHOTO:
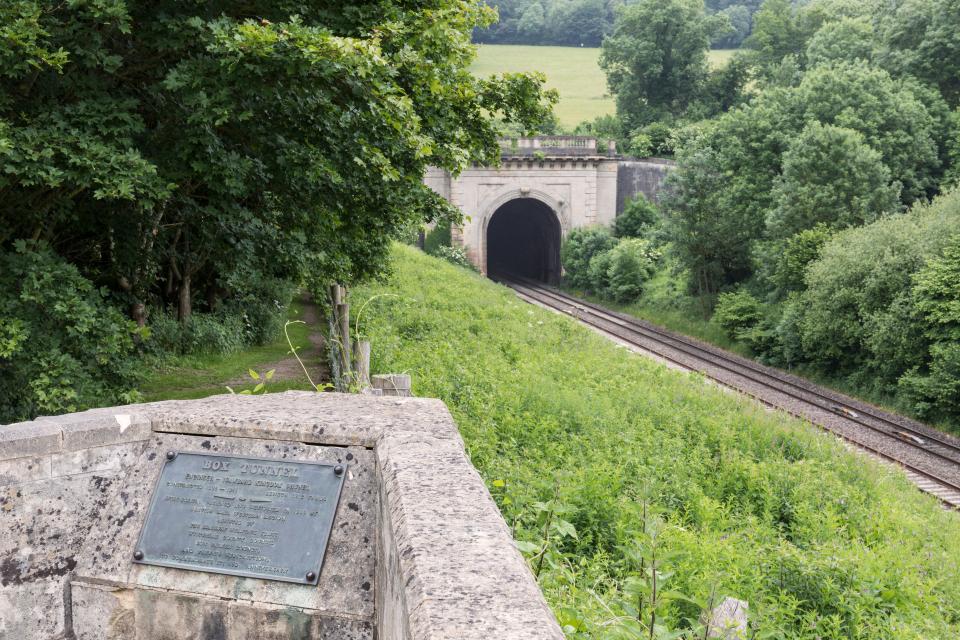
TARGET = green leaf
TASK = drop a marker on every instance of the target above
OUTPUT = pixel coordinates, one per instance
(528, 548)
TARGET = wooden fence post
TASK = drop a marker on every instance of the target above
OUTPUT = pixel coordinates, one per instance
(343, 322)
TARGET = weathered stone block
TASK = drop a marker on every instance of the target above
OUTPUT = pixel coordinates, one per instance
(318, 418)
(20, 470)
(98, 427)
(29, 439)
(346, 579)
(114, 457)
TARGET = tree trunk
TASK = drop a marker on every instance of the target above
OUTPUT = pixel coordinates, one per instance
(185, 306)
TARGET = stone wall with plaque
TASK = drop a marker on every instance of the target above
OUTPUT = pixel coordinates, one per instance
(292, 515)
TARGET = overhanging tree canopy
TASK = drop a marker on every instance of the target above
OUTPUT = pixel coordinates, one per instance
(171, 148)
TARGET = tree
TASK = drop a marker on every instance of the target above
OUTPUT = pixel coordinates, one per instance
(707, 234)
(934, 387)
(739, 19)
(830, 177)
(192, 154)
(777, 33)
(846, 40)
(920, 38)
(891, 118)
(656, 58)
(782, 29)
(182, 151)
(532, 24)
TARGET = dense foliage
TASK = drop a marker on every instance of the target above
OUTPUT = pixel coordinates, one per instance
(638, 217)
(62, 345)
(584, 23)
(190, 155)
(623, 456)
(579, 249)
(656, 59)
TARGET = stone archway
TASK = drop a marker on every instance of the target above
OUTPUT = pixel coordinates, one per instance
(522, 238)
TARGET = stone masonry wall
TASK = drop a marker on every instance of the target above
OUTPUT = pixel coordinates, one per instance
(445, 564)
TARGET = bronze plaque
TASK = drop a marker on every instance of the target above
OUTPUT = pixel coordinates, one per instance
(253, 517)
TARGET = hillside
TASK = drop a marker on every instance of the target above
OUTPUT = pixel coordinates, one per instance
(573, 71)
(565, 427)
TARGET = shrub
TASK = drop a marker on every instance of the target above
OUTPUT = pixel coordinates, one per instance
(637, 219)
(226, 331)
(457, 256)
(858, 288)
(641, 145)
(934, 389)
(262, 308)
(622, 272)
(737, 312)
(661, 138)
(598, 272)
(437, 237)
(63, 347)
(795, 255)
(209, 333)
(580, 247)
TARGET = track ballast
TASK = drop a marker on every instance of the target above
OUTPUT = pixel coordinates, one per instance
(930, 458)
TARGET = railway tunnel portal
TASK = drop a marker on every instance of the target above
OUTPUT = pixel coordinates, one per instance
(516, 215)
(523, 239)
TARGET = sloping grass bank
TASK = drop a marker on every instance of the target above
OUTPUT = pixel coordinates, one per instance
(649, 464)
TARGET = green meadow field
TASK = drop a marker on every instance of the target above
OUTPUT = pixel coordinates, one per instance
(573, 71)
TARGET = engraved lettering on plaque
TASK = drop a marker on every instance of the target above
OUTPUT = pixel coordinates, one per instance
(253, 517)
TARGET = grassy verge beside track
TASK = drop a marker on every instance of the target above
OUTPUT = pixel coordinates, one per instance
(566, 427)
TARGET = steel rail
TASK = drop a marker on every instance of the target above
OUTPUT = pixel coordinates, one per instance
(595, 317)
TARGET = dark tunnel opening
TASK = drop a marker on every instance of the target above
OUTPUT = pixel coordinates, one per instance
(523, 239)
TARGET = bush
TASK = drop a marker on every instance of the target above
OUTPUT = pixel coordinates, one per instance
(661, 138)
(457, 256)
(262, 308)
(737, 312)
(622, 272)
(794, 256)
(641, 145)
(598, 272)
(746, 319)
(637, 219)
(63, 347)
(934, 388)
(862, 276)
(214, 333)
(437, 237)
(226, 331)
(579, 249)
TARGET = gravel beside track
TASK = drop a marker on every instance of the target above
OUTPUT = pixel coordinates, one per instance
(930, 458)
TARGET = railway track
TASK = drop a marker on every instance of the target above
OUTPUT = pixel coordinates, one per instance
(930, 458)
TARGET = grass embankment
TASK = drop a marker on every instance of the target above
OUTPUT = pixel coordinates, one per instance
(573, 71)
(199, 376)
(566, 427)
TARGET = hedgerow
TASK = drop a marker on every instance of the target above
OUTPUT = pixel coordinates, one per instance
(595, 456)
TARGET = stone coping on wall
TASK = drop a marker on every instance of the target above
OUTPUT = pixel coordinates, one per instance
(446, 564)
